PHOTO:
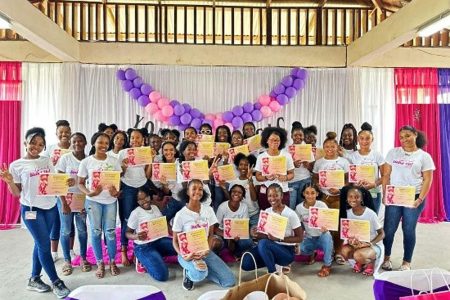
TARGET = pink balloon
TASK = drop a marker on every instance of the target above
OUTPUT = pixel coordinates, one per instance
(211, 117)
(151, 108)
(274, 106)
(167, 110)
(264, 100)
(163, 102)
(218, 122)
(158, 116)
(266, 111)
(164, 118)
(154, 96)
(219, 116)
(229, 125)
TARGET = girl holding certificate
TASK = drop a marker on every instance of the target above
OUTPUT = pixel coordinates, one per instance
(198, 266)
(119, 142)
(101, 202)
(274, 139)
(190, 134)
(223, 135)
(38, 213)
(237, 139)
(271, 250)
(348, 141)
(249, 130)
(406, 166)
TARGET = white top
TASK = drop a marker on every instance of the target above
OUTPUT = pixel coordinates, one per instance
(293, 222)
(347, 153)
(407, 167)
(303, 214)
(111, 153)
(224, 212)
(289, 167)
(69, 164)
(301, 172)
(253, 207)
(25, 172)
(187, 220)
(373, 158)
(368, 215)
(48, 152)
(139, 216)
(179, 186)
(134, 176)
(330, 164)
(91, 164)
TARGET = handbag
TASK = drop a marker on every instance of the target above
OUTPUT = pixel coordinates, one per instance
(431, 294)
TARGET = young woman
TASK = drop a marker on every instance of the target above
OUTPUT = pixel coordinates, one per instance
(407, 165)
(170, 135)
(38, 213)
(108, 129)
(249, 130)
(199, 265)
(119, 142)
(206, 129)
(155, 141)
(310, 133)
(271, 250)
(190, 134)
(237, 139)
(223, 135)
(348, 141)
(101, 202)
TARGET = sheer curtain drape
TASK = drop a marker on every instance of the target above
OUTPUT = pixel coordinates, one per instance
(444, 110)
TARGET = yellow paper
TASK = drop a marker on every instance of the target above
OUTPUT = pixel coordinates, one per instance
(205, 149)
(226, 172)
(232, 152)
(274, 224)
(331, 179)
(359, 229)
(197, 169)
(361, 172)
(318, 153)
(57, 153)
(156, 228)
(193, 241)
(205, 138)
(168, 170)
(105, 179)
(254, 143)
(75, 201)
(323, 217)
(236, 228)
(301, 152)
(274, 165)
(139, 156)
(221, 148)
(400, 195)
(53, 184)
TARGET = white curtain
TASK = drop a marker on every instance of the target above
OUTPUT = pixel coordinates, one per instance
(86, 95)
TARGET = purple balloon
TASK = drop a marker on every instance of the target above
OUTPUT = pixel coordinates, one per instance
(174, 103)
(237, 110)
(187, 107)
(178, 110)
(135, 93)
(195, 113)
(302, 73)
(143, 100)
(146, 89)
(282, 99)
(202, 116)
(257, 115)
(257, 106)
(227, 116)
(287, 81)
(279, 89)
(130, 74)
(246, 117)
(290, 92)
(248, 107)
(208, 122)
(137, 82)
(127, 85)
(237, 122)
(294, 71)
(196, 123)
(186, 119)
(273, 94)
(174, 120)
(120, 74)
(298, 84)
(182, 127)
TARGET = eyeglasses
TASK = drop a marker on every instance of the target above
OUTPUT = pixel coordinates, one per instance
(206, 131)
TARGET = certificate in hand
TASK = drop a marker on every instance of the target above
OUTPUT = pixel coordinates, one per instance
(205, 138)
(274, 165)
(274, 224)
(105, 179)
(75, 201)
(254, 143)
(53, 184)
(196, 169)
(301, 152)
(168, 170)
(323, 217)
(232, 152)
(205, 149)
(331, 179)
(236, 228)
(156, 228)
(361, 172)
(221, 148)
(57, 153)
(139, 156)
(359, 229)
(226, 172)
(193, 241)
(400, 195)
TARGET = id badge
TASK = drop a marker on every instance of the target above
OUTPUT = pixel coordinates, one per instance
(30, 215)
(263, 189)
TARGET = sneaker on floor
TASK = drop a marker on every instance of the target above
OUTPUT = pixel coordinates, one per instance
(55, 256)
(188, 284)
(36, 284)
(60, 289)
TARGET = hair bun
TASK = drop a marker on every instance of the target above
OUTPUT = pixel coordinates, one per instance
(312, 129)
(331, 135)
(102, 127)
(297, 125)
(366, 126)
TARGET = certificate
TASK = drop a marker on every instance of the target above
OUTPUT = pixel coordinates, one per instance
(53, 184)
(139, 156)
(193, 241)
(323, 217)
(221, 148)
(168, 170)
(361, 172)
(196, 169)
(400, 195)
(57, 153)
(274, 165)
(301, 152)
(232, 152)
(205, 149)
(226, 172)
(274, 224)
(331, 179)
(156, 228)
(205, 138)
(254, 143)
(105, 179)
(236, 228)
(359, 229)
(75, 201)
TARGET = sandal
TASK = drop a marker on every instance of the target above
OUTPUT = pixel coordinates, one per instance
(113, 269)
(67, 269)
(100, 273)
(286, 269)
(368, 271)
(312, 259)
(324, 271)
(387, 265)
(85, 266)
(339, 259)
(404, 268)
(200, 265)
(357, 268)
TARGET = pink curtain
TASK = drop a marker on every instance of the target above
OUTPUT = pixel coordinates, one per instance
(10, 120)
(416, 98)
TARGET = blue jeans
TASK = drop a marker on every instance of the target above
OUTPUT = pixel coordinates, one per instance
(127, 203)
(243, 246)
(409, 217)
(40, 231)
(66, 231)
(102, 217)
(377, 202)
(172, 207)
(324, 242)
(217, 271)
(268, 253)
(219, 197)
(296, 189)
(151, 257)
(254, 220)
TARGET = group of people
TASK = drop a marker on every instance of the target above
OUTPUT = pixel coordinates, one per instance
(194, 204)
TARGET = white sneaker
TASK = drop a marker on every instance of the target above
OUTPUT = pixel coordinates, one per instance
(55, 256)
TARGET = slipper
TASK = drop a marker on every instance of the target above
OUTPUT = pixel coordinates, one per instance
(100, 273)
(368, 271)
(357, 268)
(200, 265)
(286, 269)
(113, 269)
(387, 265)
(67, 269)
(85, 266)
(324, 271)
(339, 259)
(312, 259)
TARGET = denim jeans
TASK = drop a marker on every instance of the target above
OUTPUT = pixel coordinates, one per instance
(219, 197)
(324, 242)
(102, 217)
(295, 189)
(40, 229)
(151, 257)
(217, 271)
(268, 253)
(56, 229)
(127, 203)
(254, 220)
(409, 217)
(243, 246)
(377, 202)
(172, 207)
(66, 231)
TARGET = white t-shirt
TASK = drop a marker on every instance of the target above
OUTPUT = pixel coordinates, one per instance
(289, 167)
(111, 153)
(139, 216)
(348, 153)
(368, 215)
(303, 214)
(373, 158)
(91, 164)
(187, 220)
(253, 207)
(49, 152)
(134, 176)
(330, 164)
(224, 212)
(26, 172)
(293, 222)
(69, 164)
(178, 187)
(407, 167)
